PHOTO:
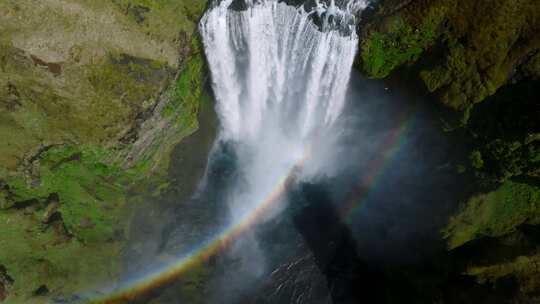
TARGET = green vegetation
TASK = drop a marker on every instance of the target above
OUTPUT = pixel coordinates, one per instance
(479, 51)
(476, 159)
(526, 269)
(79, 82)
(166, 17)
(88, 190)
(495, 214)
(506, 154)
(187, 93)
(64, 231)
(506, 134)
(133, 80)
(461, 169)
(103, 102)
(515, 158)
(36, 255)
(481, 58)
(400, 43)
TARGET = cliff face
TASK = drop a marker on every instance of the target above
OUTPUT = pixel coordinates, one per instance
(475, 46)
(94, 95)
(480, 58)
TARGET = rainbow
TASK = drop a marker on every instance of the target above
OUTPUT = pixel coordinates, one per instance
(391, 145)
(167, 274)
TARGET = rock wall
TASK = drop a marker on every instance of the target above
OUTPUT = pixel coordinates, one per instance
(480, 58)
(94, 95)
(475, 46)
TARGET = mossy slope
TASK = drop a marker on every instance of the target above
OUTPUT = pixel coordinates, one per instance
(495, 214)
(505, 129)
(482, 42)
(82, 88)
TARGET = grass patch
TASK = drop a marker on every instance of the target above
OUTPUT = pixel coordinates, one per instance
(382, 52)
(495, 214)
(526, 269)
(79, 250)
(90, 194)
(186, 94)
(35, 255)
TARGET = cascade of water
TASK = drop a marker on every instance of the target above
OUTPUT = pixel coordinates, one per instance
(280, 81)
(273, 67)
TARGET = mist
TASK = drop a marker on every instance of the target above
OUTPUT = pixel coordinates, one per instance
(280, 84)
(339, 159)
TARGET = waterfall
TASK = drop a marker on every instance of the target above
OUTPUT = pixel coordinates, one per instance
(280, 74)
(272, 64)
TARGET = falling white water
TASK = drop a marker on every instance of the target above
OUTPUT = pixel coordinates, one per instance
(280, 82)
(271, 63)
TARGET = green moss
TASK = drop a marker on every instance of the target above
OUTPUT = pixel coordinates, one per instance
(91, 197)
(35, 254)
(104, 102)
(506, 133)
(476, 52)
(187, 93)
(382, 52)
(103, 93)
(166, 17)
(513, 158)
(476, 160)
(122, 76)
(495, 214)
(525, 269)
(82, 247)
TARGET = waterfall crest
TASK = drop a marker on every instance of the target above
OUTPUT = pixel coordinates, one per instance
(273, 67)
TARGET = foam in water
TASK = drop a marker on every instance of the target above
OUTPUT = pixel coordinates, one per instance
(280, 82)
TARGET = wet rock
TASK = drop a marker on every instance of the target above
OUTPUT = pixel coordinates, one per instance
(299, 281)
(41, 291)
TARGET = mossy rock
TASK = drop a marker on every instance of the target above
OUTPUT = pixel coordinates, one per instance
(480, 51)
(495, 214)
(507, 132)
(401, 42)
(525, 270)
(77, 81)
